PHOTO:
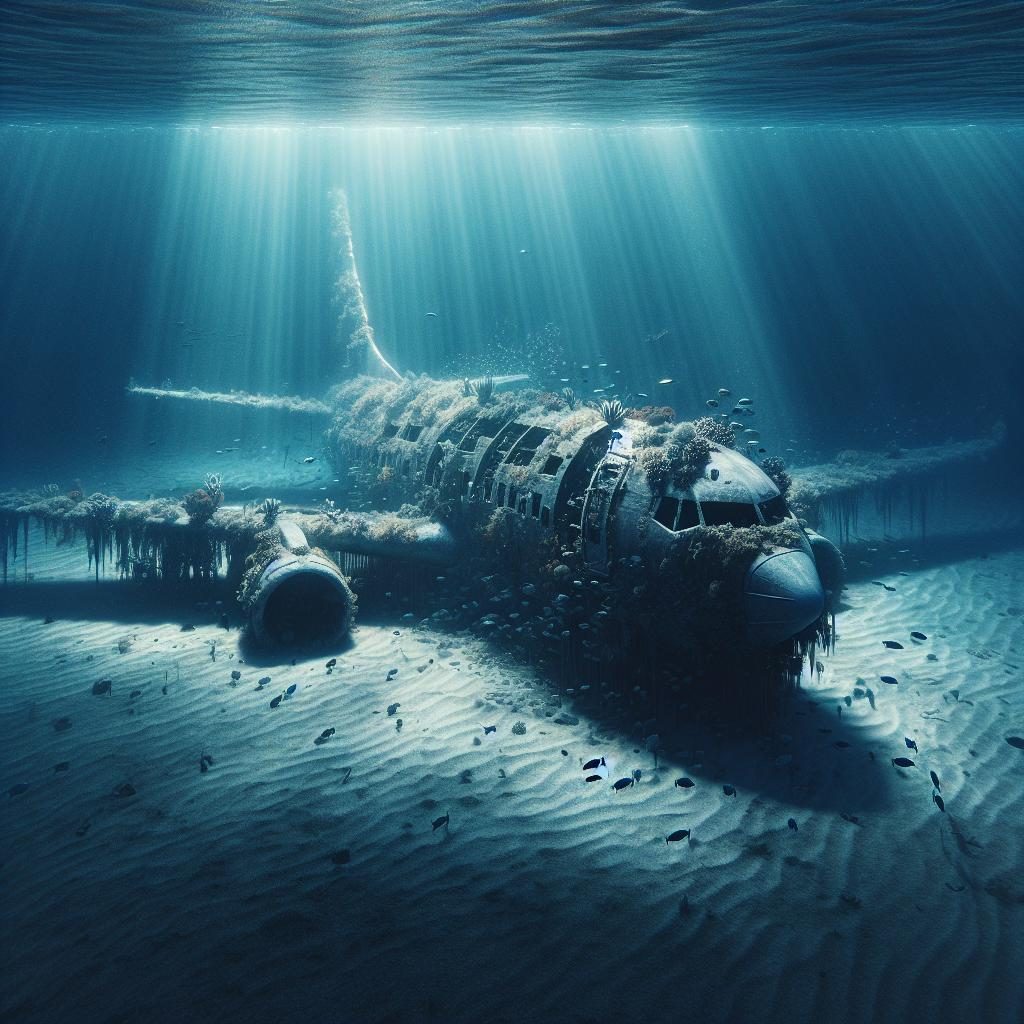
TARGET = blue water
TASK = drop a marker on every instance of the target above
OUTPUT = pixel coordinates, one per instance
(774, 62)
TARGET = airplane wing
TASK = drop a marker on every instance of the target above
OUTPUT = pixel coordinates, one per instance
(836, 488)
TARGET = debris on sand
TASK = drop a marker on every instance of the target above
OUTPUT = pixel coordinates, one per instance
(102, 686)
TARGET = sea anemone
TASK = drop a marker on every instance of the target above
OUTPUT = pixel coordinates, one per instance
(612, 412)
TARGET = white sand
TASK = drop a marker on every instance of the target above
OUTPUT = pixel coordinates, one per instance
(213, 896)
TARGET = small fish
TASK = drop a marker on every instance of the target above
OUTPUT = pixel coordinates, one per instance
(665, 380)
(488, 729)
(439, 822)
(679, 834)
(17, 789)
(939, 802)
(891, 680)
(597, 762)
(685, 783)
(842, 744)
(911, 744)
(277, 700)
(892, 590)
(745, 401)
(935, 780)
(62, 766)
(1015, 741)
(893, 645)
(851, 818)
(593, 778)
(729, 790)
(792, 824)
(622, 784)
(955, 888)
(903, 762)
(291, 689)
(712, 403)
(393, 709)
(878, 583)
(918, 636)
(264, 680)
(327, 733)
(430, 314)
(188, 628)
(308, 459)
(331, 663)
(125, 789)
(724, 392)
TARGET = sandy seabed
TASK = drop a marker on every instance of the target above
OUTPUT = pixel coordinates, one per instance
(297, 881)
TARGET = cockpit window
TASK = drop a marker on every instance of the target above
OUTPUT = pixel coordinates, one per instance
(666, 512)
(774, 510)
(729, 513)
(676, 515)
(687, 515)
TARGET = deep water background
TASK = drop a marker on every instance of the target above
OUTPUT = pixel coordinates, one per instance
(862, 286)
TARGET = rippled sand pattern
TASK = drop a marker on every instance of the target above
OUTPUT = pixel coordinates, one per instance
(214, 896)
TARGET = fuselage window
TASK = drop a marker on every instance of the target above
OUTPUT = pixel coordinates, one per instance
(729, 513)
(551, 466)
(774, 510)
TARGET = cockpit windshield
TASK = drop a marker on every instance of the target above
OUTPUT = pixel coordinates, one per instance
(729, 513)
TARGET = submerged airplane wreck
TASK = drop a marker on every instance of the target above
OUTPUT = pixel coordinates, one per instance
(609, 537)
(607, 529)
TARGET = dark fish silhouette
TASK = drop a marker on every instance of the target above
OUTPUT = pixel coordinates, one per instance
(792, 824)
(935, 780)
(911, 744)
(938, 802)
(729, 790)
(593, 778)
(918, 636)
(891, 680)
(893, 645)
(596, 762)
(62, 766)
(842, 744)
(125, 789)
(327, 733)
(488, 729)
(1015, 741)
(101, 686)
(685, 783)
(276, 701)
(678, 835)
(622, 784)
(851, 818)
(439, 822)
(331, 663)
(17, 789)
(903, 762)
(291, 689)
(891, 590)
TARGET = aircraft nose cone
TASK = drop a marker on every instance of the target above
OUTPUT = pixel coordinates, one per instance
(782, 594)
